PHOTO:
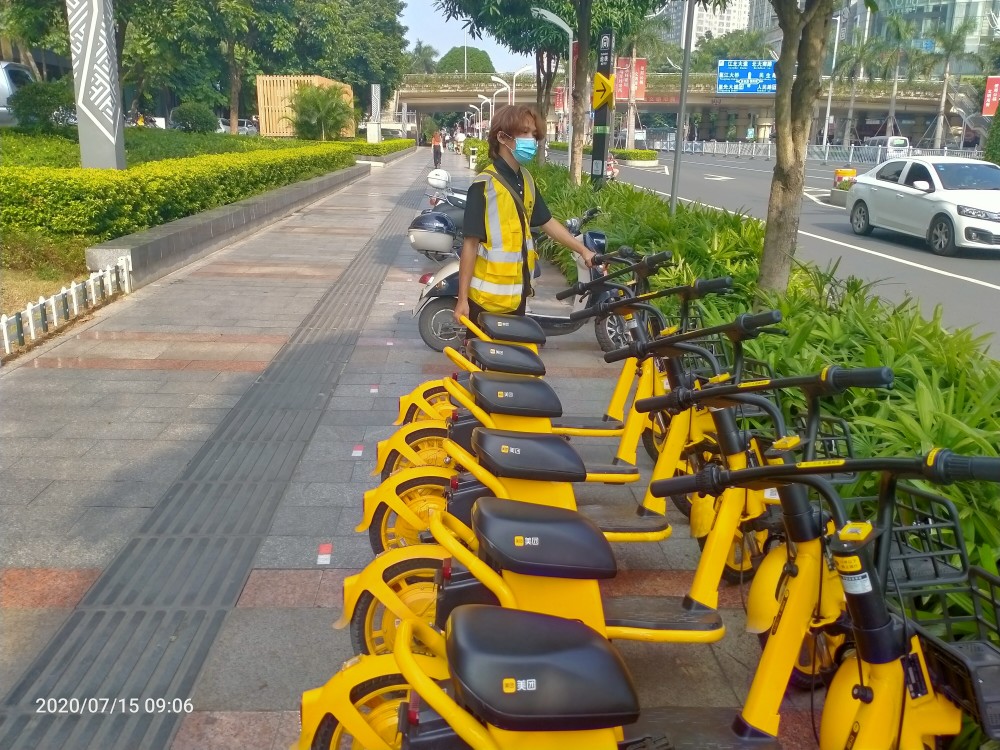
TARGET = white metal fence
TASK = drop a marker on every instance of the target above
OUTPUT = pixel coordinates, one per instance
(828, 154)
(40, 319)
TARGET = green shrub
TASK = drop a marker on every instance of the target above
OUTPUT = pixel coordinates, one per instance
(991, 151)
(361, 147)
(320, 113)
(64, 203)
(947, 388)
(635, 154)
(194, 117)
(34, 251)
(43, 105)
(482, 152)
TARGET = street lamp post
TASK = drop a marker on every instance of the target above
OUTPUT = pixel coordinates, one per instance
(479, 112)
(513, 82)
(557, 21)
(682, 106)
(506, 87)
(482, 118)
(829, 95)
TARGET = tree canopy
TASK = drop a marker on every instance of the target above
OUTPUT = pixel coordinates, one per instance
(453, 61)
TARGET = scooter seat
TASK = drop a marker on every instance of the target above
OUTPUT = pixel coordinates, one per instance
(523, 671)
(509, 358)
(519, 455)
(537, 540)
(519, 329)
(517, 395)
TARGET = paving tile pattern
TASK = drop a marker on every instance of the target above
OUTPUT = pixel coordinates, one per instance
(146, 625)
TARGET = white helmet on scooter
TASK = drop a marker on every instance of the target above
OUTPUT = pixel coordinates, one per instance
(439, 179)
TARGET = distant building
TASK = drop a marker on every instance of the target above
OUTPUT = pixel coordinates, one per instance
(733, 18)
(925, 15)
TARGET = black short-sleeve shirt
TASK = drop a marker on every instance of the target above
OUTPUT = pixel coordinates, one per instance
(474, 223)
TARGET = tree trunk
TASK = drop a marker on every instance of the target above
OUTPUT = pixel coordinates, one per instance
(849, 127)
(579, 93)
(235, 84)
(939, 129)
(890, 124)
(793, 105)
(544, 77)
(29, 59)
(630, 131)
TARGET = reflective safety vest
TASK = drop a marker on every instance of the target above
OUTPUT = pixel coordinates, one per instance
(497, 280)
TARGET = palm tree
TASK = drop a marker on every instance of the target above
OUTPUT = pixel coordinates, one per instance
(423, 58)
(647, 39)
(950, 48)
(898, 33)
(856, 58)
(320, 112)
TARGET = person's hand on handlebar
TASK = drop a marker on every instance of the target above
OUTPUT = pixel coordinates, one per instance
(461, 310)
(560, 234)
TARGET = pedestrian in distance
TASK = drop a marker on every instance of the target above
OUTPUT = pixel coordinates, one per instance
(436, 147)
(498, 254)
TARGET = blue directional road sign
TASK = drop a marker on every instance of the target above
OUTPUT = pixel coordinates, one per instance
(746, 77)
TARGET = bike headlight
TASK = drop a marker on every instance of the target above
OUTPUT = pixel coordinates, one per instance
(978, 213)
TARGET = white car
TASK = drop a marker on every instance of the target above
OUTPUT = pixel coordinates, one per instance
(951, 202)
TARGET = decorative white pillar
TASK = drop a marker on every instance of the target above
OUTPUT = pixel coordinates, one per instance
(95, 78)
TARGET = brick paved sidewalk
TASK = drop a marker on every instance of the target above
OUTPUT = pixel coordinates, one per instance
(169, 470)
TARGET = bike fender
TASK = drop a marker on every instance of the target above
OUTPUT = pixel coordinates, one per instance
(388, 493)
(372, 579)
(416, 398)
(399, 441)
(335, 697)
(702, 515)
(762, 601)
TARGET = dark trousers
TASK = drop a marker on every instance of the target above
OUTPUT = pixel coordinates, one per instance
(437, 156)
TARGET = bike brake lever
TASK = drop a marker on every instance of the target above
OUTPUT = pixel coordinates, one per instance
(775, 331)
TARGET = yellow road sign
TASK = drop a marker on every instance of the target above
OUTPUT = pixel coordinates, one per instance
(604, 89)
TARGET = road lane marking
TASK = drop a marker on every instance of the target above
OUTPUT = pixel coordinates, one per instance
(717, 177)
(876, 253)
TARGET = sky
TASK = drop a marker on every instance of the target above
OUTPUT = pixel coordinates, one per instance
(425, 23)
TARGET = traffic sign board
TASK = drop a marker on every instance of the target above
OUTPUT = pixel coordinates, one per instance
(604, 90)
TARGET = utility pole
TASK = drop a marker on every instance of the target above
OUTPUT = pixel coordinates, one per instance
(630, 130)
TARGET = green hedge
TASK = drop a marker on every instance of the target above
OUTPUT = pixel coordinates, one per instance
(101, 204)
(631, 154)
(947, 389)
(150, 144)
(362, 147)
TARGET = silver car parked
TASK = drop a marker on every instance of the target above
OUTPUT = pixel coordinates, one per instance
(12, 77)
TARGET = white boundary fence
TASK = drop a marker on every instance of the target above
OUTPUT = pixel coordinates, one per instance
(40, 319)
(825, 154)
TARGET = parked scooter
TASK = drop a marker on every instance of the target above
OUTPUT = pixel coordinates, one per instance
(436, 305)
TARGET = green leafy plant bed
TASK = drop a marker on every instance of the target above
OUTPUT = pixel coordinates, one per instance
(947, 389)
(625, 154)
(361, 147)
(60, 204)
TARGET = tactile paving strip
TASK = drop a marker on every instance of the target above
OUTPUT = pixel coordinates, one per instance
(145, 628)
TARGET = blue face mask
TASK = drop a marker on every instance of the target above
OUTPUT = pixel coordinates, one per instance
(525, 149)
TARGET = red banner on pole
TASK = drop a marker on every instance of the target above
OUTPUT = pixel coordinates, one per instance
(623, 76)
(560, 104)
(992, 97)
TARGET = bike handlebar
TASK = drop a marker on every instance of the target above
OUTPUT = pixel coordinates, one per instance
(830, 381)
(645, 266)
(746, 325)
(700, 288)
(940, 466)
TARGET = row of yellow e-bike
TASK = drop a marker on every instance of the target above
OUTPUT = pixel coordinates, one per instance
(480, 623)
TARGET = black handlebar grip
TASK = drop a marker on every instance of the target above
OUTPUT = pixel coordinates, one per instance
(618, 355)
(669, 401)
(703, 483)
(652, 261)
(956, 468)
(703, 287)
(862, 377)
(600, 260)
(571, 292)
(760, 320)
(587, 312)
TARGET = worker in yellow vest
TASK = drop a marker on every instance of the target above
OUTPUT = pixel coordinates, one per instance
(498, 255)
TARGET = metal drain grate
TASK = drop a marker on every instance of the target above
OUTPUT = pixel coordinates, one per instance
(146, 626)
